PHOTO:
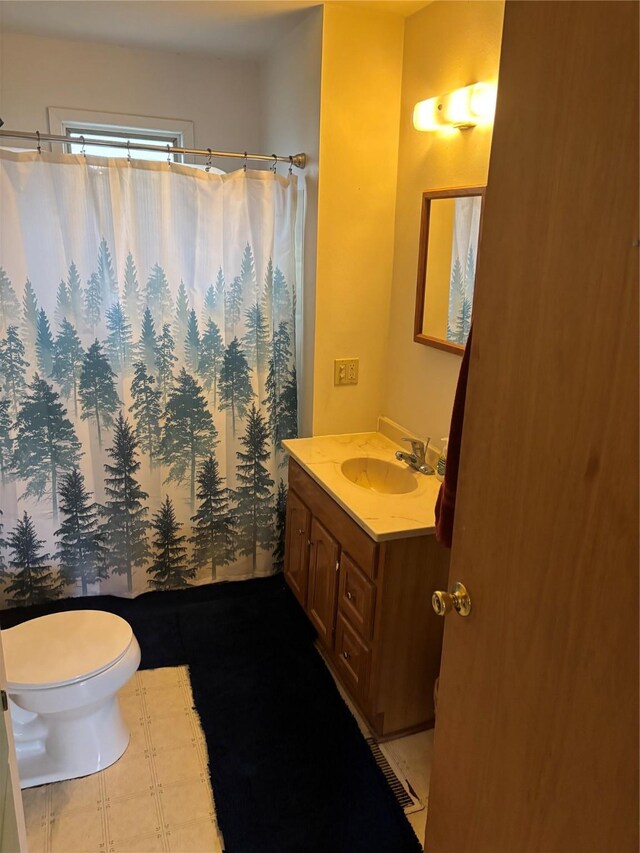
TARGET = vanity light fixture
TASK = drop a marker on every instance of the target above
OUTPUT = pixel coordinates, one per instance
(463, 108)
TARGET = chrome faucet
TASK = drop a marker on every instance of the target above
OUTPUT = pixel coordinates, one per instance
(417, 459)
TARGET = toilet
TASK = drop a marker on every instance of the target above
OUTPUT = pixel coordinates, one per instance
(63, 673)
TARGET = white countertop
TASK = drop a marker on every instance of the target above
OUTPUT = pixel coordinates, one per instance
(382, 516)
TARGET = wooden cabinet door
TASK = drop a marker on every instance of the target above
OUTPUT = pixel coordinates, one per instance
(323, 581)
(296, 549)
(536, 742)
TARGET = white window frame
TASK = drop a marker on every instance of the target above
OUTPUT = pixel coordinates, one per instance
(63, 119)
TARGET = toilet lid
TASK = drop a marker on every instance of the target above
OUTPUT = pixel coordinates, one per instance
(63, 648)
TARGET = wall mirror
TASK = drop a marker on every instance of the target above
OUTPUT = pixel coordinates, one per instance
(449, 236)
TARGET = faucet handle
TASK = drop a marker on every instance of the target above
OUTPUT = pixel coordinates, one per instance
(418, 448)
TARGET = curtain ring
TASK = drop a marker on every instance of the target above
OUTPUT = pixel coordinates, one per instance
(38, 147)
(83, 150)
(168, 154)
(290, 164)
(244, 167)
(208, 166)
(275, 163)
(129, 150)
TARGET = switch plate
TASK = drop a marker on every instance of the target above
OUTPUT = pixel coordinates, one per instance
(345, 371)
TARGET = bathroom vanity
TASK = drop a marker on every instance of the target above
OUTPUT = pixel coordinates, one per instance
(362, 559)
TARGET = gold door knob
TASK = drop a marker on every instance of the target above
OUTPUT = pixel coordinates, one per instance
(458, 600)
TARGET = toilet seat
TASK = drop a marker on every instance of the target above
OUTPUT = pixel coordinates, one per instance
(63, 648)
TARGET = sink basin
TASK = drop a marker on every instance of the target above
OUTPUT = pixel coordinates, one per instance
(377, 475)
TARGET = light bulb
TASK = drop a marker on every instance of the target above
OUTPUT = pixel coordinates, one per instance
(426, 115)
(462, 108)
(457, 110)
(482, 102)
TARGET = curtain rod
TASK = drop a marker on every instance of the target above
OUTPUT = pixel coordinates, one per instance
(297, 160)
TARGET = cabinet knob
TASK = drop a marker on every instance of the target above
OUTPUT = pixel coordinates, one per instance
(349, 595)
(458, 599)
(346, 655)
(301, 531)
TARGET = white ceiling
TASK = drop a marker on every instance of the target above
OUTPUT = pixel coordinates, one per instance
(241, 28)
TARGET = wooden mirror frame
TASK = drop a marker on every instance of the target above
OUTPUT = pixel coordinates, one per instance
(458, 192)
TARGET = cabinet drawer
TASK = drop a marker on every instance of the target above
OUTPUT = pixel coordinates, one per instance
(341, 526)
(357, 597)
(352, 657)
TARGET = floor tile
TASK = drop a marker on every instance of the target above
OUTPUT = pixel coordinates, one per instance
(418, 821)
(413, 756)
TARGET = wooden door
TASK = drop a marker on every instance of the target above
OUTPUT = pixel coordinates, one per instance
(536, 740)
(323, 581)
(296, 551)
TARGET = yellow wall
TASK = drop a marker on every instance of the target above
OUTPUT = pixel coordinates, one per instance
(292, 121)
(359, 126)
(447, 45)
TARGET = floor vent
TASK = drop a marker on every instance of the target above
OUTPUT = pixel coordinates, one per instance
(400, 786)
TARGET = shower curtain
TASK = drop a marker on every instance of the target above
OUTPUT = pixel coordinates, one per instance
(147, 374)
(464, 251)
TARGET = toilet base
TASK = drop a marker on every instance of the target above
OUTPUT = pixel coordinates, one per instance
(53, 748)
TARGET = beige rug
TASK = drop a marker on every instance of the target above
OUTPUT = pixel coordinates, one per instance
(157, 797)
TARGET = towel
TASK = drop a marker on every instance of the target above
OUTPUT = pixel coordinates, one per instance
(446, 502)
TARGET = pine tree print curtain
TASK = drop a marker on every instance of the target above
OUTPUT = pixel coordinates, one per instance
(464, 251)
(147, 374)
